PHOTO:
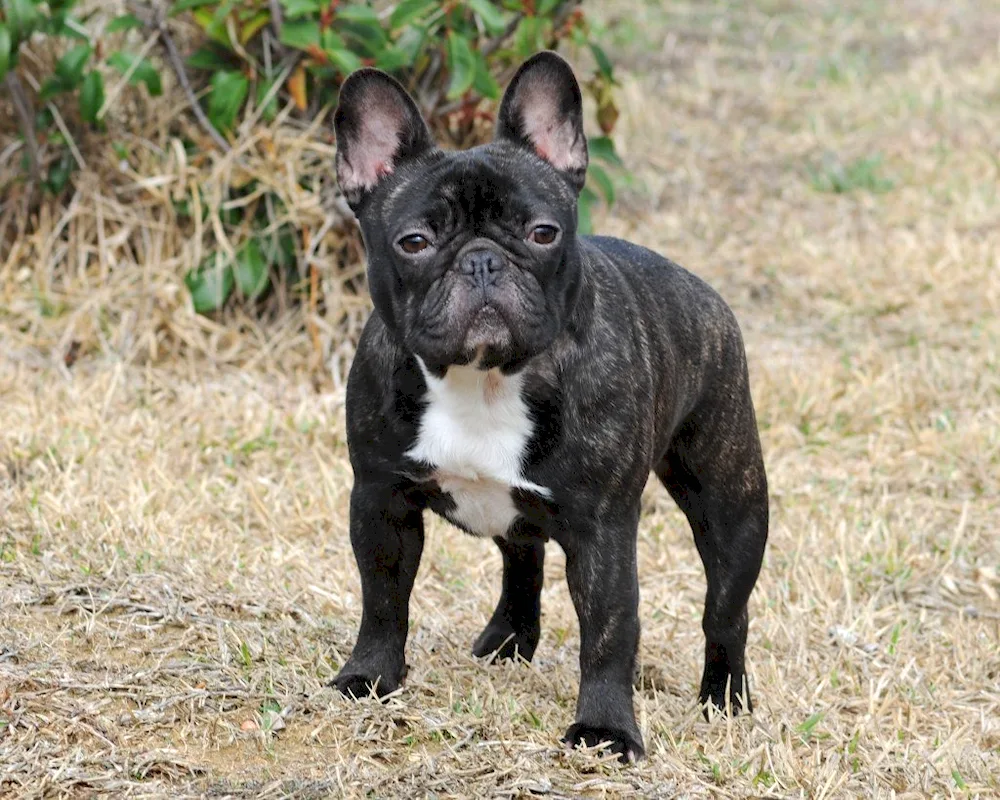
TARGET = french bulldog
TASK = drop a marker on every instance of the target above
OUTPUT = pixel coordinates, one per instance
(522, 381)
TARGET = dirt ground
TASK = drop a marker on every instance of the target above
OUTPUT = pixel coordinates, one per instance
(176, 583)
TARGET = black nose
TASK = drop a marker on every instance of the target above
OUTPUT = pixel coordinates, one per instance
(483, 265)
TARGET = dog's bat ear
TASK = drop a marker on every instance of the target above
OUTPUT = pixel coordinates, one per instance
(378, 127)
(542, 110)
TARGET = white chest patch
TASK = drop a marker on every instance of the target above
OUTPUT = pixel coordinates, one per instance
(474, 433)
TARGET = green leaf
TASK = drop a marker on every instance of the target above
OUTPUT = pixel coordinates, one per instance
(250, 27)
(229, 90)
(490, 14)
(355, 12)
(300, 34)
(603, 149)
(603, 181)
(281, 253)
(807, 727)
(210, 284)
(126, 22)
(301, 8)
(51, 86)
(411, 42)
(278, 249)
(365, 34)
(62, 25)
(251, 272)
(344, 60)
(270, 705)
(213, 26)
(5, 49)
(391, 59)
(22, 17)
(144, 72)
(410, 10)
(270, 111)
(187, 5)
(61, 6)
(461, 65)
(527, 37)
(584, 225)
(44, 120)
(329, 39)
(59, 173)
(209, 57)
(69, 68)
(603, 62)
(484, 82)
(91, 96)
(338, 52)
(543, 7)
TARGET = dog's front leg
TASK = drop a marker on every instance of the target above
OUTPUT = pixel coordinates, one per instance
(387, 534)
(601, 571)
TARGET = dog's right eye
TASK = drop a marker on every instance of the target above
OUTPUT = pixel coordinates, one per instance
(544, 234)
(413, 243)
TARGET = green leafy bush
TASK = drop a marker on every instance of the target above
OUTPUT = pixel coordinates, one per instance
(257, 57)
(454, 56)
(75, 73)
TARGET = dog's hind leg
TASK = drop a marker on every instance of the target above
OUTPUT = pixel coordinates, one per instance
(516, 623)
(714, 471)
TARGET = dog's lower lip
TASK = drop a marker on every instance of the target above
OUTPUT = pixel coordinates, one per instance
(487, 315)
(488, 329)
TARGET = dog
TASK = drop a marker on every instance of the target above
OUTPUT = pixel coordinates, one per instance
(522, 381)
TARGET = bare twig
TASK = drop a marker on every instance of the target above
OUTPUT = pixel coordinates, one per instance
(501, 37)
(276, 18)
(70, 141)
(178, 65)
(153, 17)
(284, 72)
(429, 76)
(456, 105)
(23, 108)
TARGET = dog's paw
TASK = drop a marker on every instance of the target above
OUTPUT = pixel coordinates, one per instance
(501, 642)
(628, 746)
(714, 685)
(359, 686)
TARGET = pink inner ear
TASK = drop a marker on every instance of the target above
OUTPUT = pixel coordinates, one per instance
(371, 155)
(554, 137)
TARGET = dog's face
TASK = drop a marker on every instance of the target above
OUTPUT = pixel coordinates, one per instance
(472, 255)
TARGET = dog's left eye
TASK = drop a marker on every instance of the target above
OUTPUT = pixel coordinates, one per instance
(413, 243)
(544, 234)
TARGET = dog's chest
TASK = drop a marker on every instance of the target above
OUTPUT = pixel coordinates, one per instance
(474, 433)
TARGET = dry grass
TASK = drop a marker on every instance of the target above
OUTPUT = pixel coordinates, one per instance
(176, 584)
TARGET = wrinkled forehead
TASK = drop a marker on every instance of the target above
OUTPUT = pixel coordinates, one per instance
(492, 183)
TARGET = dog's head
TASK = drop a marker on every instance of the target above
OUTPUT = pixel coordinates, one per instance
(471, 255)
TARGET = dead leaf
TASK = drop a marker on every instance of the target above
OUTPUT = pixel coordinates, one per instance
(297, 87)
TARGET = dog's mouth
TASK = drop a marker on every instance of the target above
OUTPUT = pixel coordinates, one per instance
(459, 326)
(487, 331)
